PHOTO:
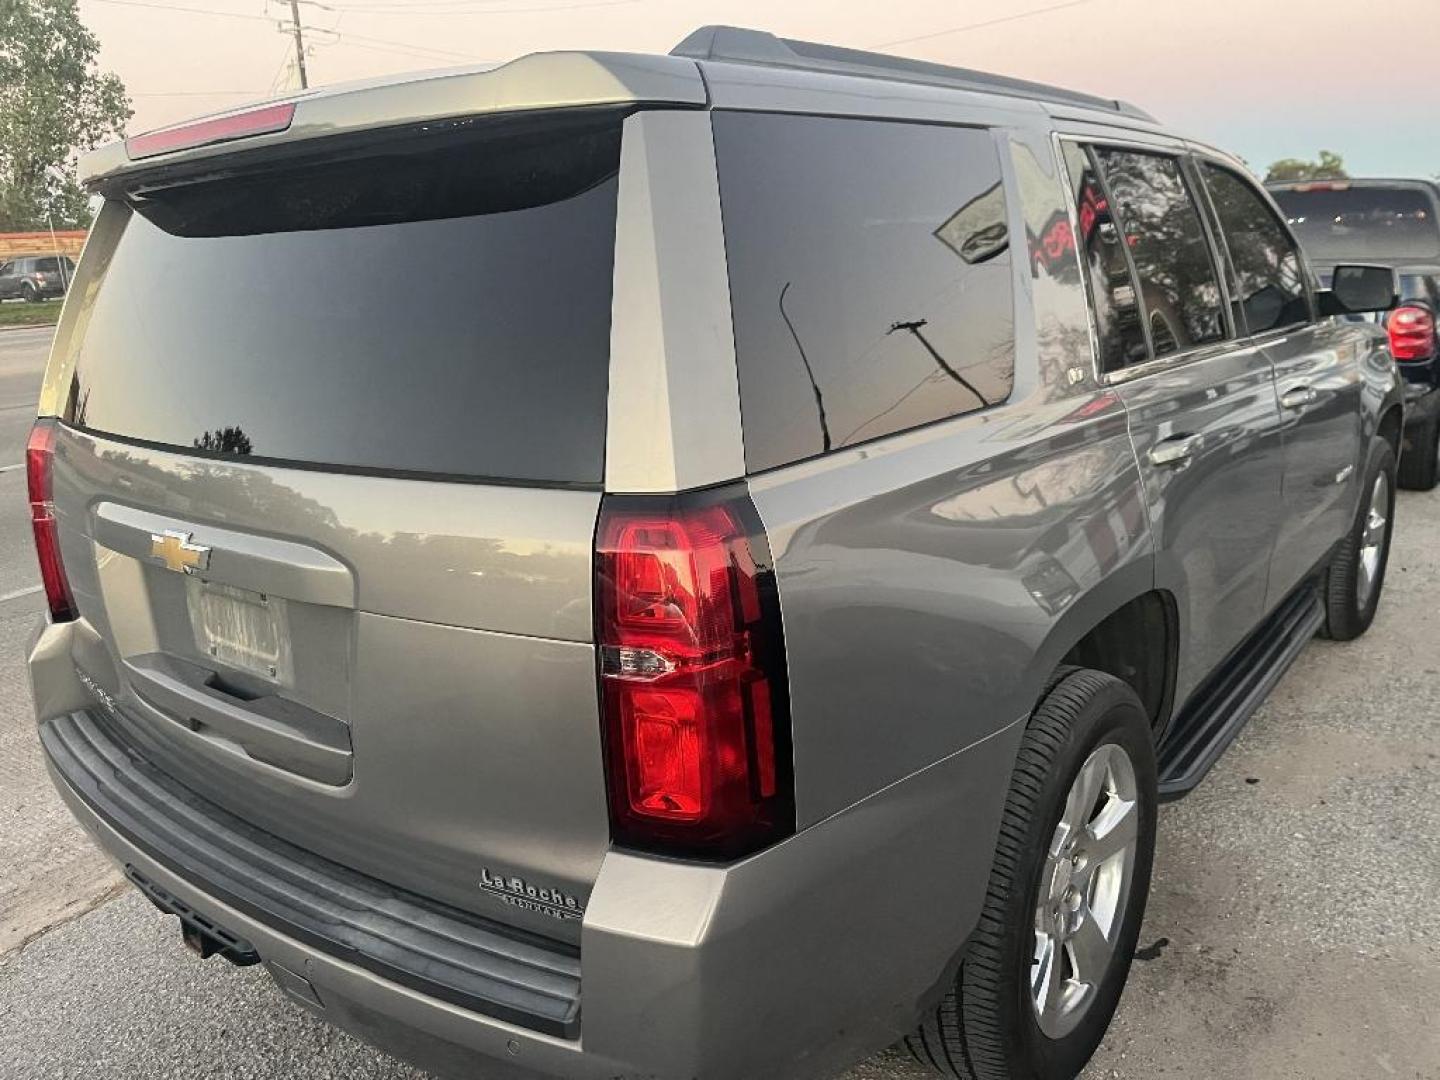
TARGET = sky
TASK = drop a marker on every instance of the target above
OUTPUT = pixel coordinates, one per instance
(1262, 78)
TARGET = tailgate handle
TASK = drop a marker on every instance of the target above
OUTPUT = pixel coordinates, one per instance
(267, 728)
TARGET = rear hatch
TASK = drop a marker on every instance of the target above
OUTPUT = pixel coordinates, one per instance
(328, 469)
(1392, 223)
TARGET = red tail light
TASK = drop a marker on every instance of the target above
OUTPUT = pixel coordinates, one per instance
(262, 121)
(1412, 333)
(39, 457)
(692, 676)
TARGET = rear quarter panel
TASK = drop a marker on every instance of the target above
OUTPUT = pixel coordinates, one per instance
(931, 581)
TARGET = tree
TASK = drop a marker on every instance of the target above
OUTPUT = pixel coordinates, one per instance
(55, 104)
(1331, 166)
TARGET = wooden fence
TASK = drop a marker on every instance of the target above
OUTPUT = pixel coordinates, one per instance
(40, 243)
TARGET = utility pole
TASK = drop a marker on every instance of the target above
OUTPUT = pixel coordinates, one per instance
(298, 33)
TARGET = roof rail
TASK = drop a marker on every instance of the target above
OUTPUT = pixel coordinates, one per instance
(739, 45)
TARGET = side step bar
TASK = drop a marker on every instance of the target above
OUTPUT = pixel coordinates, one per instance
(1219, 710)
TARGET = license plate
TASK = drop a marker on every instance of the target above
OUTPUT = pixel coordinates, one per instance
(243, 629)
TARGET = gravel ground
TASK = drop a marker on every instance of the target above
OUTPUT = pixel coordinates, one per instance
(1290, 933)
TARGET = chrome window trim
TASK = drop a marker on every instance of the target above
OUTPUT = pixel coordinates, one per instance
(1073, 216)
(1156, 363)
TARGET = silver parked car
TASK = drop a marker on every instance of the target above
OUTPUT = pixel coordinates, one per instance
(687, 566)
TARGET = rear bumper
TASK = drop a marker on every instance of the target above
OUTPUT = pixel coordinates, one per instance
(791, 963)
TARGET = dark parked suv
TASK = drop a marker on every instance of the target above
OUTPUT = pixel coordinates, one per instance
(732, 593)
(35, 277)
(1395, 223)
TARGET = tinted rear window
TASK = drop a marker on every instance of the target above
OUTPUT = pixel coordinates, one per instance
(440, 305)
(1388, 224)
(870, 277)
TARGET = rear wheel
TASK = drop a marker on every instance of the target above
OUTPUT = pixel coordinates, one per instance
(30, 293)
(1420, 463)
(1043, 972)
(1356, 576)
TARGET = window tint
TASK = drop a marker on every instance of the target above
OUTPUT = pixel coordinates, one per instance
(49, 266)
(441, 307)
(1179, 290)
(1337, 222)
(1112, 289)
(1270, 282)
(870, 277)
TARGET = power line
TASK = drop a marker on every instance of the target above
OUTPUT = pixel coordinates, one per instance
(390, 7)
(981, 25)
(192, 93)
(188, 10)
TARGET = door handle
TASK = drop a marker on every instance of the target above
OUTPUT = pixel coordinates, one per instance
(1297, 397)
(1177, 450)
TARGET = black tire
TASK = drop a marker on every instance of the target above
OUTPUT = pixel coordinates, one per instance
(1420, 460)
(1349, 610)
(30, 294)
(986, 1027)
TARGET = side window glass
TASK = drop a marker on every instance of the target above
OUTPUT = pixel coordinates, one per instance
(1112, 290)
(1179, 290)
(1267, 266)
(866, 300)
(6, 269)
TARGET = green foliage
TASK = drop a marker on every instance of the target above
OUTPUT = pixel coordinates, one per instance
(55, 103)
(1331, 166)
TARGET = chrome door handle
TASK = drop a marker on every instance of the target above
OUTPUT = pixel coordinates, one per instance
(1177, 450)
(1297, 397)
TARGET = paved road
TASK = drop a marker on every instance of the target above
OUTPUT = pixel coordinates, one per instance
(1291, 934)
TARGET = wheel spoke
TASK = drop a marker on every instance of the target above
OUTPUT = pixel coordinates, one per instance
(1112, 833)
(1045, 983)
(1089, 949)
(1081, 802)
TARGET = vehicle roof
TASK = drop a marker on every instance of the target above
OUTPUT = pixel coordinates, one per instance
(1354, 182)
(571, 79)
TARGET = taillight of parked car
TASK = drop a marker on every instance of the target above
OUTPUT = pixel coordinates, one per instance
(39, 464)
(1412, 333)
(692, 676)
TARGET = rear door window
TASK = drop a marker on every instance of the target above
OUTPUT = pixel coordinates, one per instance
(1179, 287)
(1115, 300)
(1337, 222)
(436, 304)
(1270, 280)
(870, 277)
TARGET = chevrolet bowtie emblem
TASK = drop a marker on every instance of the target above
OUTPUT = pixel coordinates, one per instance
(177, 553)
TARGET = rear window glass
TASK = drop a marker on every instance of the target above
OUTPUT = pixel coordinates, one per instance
(867, 300)
(1356, 223)
(438, 305)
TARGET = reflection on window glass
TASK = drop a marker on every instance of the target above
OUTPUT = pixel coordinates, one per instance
(870, 277)
(1271, 286)
(1370, 223)
(1179, 290)
(441, 308)
(1112, 291)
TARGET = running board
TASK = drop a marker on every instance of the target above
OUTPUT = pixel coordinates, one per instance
(1218, 712)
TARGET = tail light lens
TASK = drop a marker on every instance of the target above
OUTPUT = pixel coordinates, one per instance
(39, 460)
(692, 676)
(1412, 333)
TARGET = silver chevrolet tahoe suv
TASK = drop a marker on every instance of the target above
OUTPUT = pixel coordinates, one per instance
(687, 566)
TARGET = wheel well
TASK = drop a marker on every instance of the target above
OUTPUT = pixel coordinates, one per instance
(1136, 643)
(1389, 428)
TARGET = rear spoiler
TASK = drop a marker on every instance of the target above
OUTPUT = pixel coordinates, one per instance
(553, 80)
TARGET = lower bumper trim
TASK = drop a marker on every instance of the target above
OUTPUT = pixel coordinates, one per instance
(437, 951)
